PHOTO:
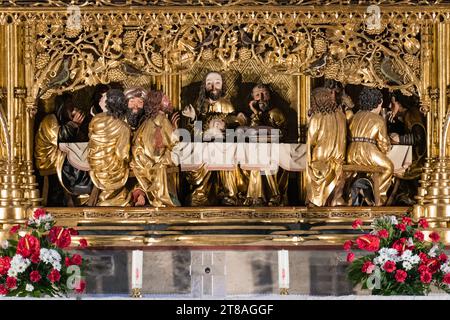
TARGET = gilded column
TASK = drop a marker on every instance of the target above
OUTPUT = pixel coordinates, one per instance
(434, 195)
(428, 105)
(31, 191)
(303, 102)
(12, 210)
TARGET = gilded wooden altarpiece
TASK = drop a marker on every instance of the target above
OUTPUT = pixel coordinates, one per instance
(170, 43)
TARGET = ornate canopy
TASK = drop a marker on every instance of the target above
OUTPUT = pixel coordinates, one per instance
(77, 43)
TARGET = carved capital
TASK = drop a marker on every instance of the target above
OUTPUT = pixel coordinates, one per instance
(425, 105)
(20, 92)
(433, 93)
(31, 107)
(3, 93)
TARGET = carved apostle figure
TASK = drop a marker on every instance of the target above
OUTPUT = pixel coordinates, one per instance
(135, 99)
(342, 99)
(369, 140)
(216, 114)
(108, 150)
(152, 146)
(65, 125)
(264, 187)
(326, 142)
(408, 127)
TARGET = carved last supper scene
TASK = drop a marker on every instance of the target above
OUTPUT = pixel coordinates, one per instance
(224, 120)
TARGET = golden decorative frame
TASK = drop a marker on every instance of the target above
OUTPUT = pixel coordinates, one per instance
(412, 38)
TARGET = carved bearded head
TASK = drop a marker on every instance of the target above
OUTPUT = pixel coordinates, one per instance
(136, 99)
(261, 96)
(213, 88)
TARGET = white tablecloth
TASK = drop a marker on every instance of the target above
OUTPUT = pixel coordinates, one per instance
(225, 156)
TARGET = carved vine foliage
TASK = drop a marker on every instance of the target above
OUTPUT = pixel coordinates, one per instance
(121, 50)
(122, 3)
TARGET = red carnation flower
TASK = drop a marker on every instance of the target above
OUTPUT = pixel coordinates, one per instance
(81, 287)
(383, 234)
(35, 276)
(39, 213)
(425, 277)
(11, 282)
(350, 257)
(434, 236)
(60, 236)
(400, 276)
(67, 262)
(5, 264)
(401, 226)
(419, 235)
(28, 245)
(54, 276)
(35, 258)
(83, 243)
(357, 223)
(3, 290)
(423, 223)
(368, 267)
(76, 259)
(423, 257)
(14, 229)
(443, 257)
(348, 245)
(423, 268)
(389, 266)
(446, 278)
(407, 221)
(368, 242)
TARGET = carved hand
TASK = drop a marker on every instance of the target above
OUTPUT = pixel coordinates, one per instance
(189, 112)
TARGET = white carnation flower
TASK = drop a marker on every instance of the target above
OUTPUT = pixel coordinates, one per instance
(19, 264)
(55, 255)
(406, 255)
(51, 257)
(47, 226)
(407, 265)
(29, 287)
(386, 254)
(44, 255)
(445, 267)
(5, 244)
(415, 259)
(57, 266)
(12, 273)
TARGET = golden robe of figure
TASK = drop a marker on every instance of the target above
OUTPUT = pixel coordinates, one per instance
(46, 151)
(326, 143)
(152, 161)
(108, 156)
(270, 186)
(216, 114)
(369, 146)
(207, 185)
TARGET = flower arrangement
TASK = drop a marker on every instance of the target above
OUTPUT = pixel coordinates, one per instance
(33, 261)
(400, 260)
